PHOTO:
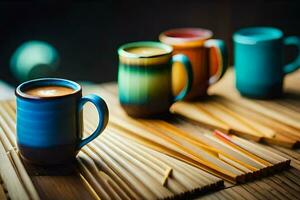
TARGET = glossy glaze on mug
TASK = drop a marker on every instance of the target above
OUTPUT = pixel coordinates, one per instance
(258, 61)
(49, 129)
(205, 63)
(144, 80)
(48, 126)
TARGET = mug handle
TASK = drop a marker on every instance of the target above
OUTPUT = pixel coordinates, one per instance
(102, 113)
(188, 68)
(218, 63)
(295, 64)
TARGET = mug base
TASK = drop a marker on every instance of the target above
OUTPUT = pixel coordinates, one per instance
(201, 97)
(197, 93)
(145, 112)
(262, 96)
(266, 92)
(58, 155)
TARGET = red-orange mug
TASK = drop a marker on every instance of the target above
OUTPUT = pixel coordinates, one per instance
(208, 57)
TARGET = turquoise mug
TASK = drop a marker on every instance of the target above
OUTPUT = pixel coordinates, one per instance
(145, 78)
(258, 61)
(50, 124)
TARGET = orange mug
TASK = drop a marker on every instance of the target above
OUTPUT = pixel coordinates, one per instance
(209, 58)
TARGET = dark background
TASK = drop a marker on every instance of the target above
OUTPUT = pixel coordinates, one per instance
(88, 33)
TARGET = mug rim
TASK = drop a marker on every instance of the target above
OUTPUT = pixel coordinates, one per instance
(200, 34)
(269, 34)
(122, 49)
(19, 91)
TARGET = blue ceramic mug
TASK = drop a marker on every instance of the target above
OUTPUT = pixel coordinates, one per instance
(49, 128)
(258, 61)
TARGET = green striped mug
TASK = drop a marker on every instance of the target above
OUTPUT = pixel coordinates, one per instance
(144, 78)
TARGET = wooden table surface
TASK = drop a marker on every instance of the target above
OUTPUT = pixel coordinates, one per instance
(283, 185)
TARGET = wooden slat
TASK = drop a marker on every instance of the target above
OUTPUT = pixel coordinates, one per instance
(61, 187)
(2, 192)
(12, 182)
(286, 185)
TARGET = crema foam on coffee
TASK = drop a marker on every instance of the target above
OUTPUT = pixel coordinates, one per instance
(49, 91)
(146, 51)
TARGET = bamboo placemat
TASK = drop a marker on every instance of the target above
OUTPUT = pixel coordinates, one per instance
(124, 167)
(274, 122)
(112, 167)
(214, 153)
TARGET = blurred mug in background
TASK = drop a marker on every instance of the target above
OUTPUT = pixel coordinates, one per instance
(144, 78)
(258, 61)
(34, 59)
(208, 57)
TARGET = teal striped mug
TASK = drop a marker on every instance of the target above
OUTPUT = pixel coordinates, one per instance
(144, 78)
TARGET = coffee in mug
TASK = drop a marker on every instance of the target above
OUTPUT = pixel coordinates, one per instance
(146, 51)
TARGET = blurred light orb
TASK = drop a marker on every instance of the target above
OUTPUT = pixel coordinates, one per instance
(34, 59)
